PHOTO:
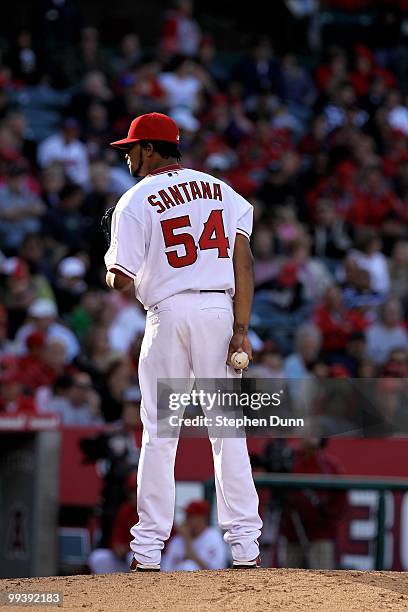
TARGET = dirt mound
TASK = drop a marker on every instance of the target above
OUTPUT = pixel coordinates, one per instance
(235, 590)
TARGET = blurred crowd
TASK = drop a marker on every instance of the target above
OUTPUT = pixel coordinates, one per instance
(300, 525)
(318, 144)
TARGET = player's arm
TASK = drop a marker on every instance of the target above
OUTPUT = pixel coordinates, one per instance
(244, 291)
(125, 255)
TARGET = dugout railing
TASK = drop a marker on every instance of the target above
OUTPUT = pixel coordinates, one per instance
(282, 482)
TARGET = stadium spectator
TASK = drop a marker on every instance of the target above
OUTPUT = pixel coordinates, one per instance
(97, 356)
(280, 305)
(12, 397)
(308, 343)
(66, 148)
(342, 111)
(87, 314)
(330, 235)
(298, 89)
(127, 324)
(118, 378)
(183, 84)
(336, 322)
(69, 284)
(283, 301)
(208, 58)
(119, 447)
(388, 333)
(196, 545)
(397, 364)
(19, 291)
(397, 111)
(97, 129)
(85, 57)
(357, 291)
(333, 71)
(34, 370)
(16, 123)
(268, 363)
(129, 56)
(181, 33)
(353, 357)
(280, 187)
(118, 556)
(310, 517)
(33, 252)
(337, 186)
(311, 272)
(366, 70)
(368, 255)
(53, 364)
(65, 225)
(260, 71)
(42, 106)
(80, 404)
(94, 90)
(24, 59)
(52, 181)
(42, 315)
(375, 202)
(20, 209)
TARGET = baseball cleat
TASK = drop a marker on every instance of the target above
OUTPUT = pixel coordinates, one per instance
(135, 566)
(254, 564)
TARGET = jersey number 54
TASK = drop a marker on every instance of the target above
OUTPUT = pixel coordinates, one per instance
(212, 237)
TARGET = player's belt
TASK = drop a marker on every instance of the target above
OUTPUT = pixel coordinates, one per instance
(212, 290)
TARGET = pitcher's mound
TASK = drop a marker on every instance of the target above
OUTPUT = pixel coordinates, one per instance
(235, 590)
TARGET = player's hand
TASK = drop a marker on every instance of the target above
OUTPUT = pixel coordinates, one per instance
(238, 343)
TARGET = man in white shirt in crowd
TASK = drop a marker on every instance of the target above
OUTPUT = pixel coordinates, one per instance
(196, 545)
(65, 147)
(43, 315)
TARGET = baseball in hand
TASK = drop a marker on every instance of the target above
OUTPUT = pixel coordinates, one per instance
(240, 360)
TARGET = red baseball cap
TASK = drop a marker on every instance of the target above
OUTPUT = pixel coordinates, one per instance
(198, 506)
(152, 126)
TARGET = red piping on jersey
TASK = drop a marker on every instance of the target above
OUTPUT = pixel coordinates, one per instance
(166, 169)
(120, 272)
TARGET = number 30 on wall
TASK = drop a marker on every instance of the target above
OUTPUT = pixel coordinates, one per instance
(212, 237)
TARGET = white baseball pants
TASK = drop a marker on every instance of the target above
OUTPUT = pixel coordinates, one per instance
(187, 335)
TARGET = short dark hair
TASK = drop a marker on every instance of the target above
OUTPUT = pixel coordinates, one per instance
(163, 148)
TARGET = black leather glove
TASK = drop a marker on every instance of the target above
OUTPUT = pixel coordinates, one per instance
(106, 224)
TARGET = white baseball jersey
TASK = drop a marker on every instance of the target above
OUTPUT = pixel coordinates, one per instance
(175, 230)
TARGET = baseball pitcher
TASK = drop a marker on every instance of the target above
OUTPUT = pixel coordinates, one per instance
(182, 238)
